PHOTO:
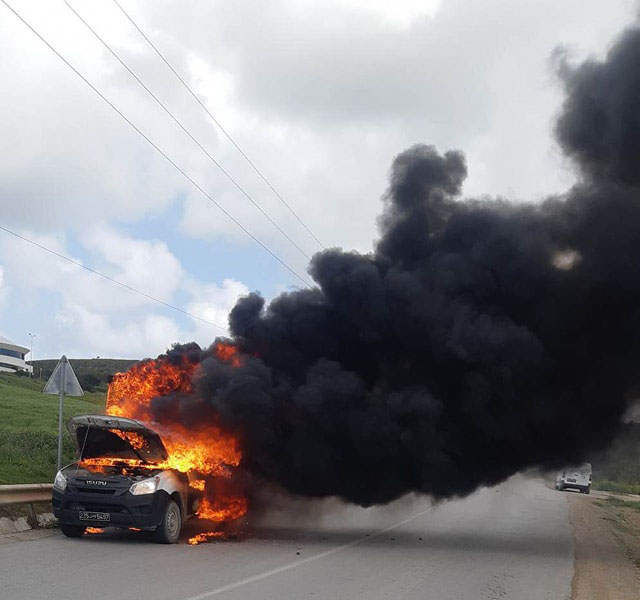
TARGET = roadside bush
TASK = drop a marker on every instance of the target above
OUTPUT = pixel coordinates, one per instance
(30, 456)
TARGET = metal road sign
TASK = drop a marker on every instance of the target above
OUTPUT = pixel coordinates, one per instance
(63, 381)
(63, 378)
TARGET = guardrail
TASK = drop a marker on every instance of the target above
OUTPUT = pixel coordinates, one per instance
(26, 493)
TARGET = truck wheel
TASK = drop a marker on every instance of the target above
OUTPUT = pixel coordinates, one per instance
(168, 531)
(72, 531)
(587, 491)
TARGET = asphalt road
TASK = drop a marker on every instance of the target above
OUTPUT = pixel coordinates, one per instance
(513, 541)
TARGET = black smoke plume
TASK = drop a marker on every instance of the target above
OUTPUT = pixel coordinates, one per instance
(479, 338)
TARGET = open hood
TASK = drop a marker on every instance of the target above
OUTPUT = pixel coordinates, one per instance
(100, 436)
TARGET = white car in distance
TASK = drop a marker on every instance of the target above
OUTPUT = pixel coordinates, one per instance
(577, 478)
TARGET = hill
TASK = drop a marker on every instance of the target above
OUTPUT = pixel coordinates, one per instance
(93, 373)
(29, 428)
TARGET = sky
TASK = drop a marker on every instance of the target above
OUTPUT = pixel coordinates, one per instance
(319, 95)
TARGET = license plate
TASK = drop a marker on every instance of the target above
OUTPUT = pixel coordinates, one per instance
(571, 480)
(94, 516)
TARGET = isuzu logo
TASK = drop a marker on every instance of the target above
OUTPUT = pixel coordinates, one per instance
(95, 482)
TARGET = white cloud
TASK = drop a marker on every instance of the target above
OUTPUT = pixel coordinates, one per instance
(146, 336)
(213, 303)
(67, 156)
(146, 265)
(321, 96)
(401, 13)
(88, 315)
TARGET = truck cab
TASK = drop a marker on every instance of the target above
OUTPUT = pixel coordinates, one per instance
(121, 480)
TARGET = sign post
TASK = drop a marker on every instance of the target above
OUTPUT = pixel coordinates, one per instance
(63, 382)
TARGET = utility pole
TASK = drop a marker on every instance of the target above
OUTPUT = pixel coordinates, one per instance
(63, 385)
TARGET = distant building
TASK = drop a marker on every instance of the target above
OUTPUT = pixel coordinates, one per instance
(12, 356)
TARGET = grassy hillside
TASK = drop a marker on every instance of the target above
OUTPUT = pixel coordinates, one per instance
(93, 373)
(29, 428)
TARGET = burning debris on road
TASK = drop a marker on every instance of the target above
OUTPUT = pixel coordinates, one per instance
(479, 338)
(206, 536)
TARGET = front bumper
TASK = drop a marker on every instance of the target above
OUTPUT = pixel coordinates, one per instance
(125, 509)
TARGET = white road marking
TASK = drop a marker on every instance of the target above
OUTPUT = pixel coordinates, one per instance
(303, 561)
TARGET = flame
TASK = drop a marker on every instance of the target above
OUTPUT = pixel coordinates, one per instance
(204, 537)
(223, 509)
(93, 530)
(136, 440)
(130, 393)
(110, 462)
(209, 451)
(204, 451)
(228, 353)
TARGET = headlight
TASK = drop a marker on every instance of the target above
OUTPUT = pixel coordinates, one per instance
(146, 486)
(60, 482)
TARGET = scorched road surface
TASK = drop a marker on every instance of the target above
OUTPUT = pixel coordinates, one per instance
(512, 541)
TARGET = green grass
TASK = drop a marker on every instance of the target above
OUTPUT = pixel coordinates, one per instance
(617, 502)
(29, 428)
(619, 487)
(617, 469)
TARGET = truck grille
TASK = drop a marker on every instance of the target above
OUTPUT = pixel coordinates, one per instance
(92, 490)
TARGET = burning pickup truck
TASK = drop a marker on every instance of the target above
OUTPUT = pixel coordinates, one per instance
(122, 479)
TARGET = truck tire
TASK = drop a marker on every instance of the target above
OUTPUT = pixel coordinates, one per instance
(170, 526)
(72, 531)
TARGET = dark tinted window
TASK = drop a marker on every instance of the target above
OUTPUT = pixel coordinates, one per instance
(14, 353)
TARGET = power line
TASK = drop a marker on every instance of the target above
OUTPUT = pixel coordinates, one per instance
(184, 129)
(218, 124)
(158, 149)
(111, 279)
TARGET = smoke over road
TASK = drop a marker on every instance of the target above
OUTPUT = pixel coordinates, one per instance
(479, 338)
